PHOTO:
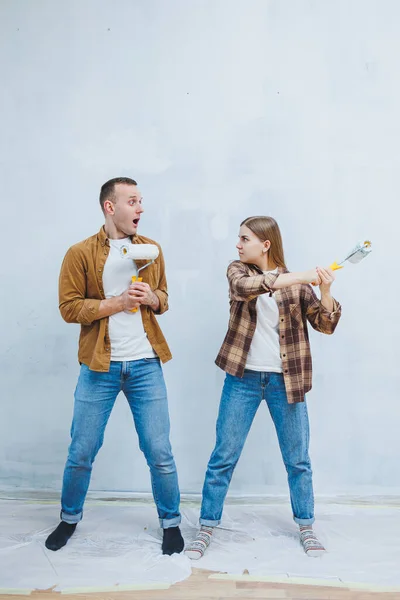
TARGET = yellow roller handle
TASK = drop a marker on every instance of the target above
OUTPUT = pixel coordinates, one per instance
(134, 279)
(335, 267)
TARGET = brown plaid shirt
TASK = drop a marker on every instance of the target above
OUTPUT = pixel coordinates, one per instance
(297, 304)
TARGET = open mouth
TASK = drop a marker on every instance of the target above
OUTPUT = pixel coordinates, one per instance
(136, 221)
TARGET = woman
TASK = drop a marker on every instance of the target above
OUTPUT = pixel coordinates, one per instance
(266, 355)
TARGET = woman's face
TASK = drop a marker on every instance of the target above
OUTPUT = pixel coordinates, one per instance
(251, 249)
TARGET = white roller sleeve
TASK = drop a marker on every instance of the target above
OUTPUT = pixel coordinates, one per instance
(140, 251)
(360, 251)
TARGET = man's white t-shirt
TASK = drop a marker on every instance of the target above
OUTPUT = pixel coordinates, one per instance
(127, 335)
(264, 353)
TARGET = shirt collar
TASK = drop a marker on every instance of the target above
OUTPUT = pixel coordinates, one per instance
(104, 241)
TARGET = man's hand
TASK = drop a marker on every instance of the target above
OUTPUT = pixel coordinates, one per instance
(128, 301)
(143, 294)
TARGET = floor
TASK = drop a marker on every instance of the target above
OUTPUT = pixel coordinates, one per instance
(256, 553)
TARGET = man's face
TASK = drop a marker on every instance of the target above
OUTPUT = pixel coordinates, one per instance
(126, 209)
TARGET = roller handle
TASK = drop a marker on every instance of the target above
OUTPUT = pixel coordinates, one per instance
(134, 279)
(334, 266)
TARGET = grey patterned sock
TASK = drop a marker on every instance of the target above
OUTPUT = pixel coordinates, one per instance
(196, 549)
(311, 544)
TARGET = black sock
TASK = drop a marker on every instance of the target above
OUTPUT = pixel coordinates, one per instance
(60, 535)
(172, 541)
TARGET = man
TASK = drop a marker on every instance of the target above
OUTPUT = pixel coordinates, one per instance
(119, 350)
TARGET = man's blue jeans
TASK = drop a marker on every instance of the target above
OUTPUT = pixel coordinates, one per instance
(240, 400)
(143, 384)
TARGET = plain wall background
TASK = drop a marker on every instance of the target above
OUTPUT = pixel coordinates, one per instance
(221, 110)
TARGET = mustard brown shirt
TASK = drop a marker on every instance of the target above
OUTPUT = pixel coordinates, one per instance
(81, 291)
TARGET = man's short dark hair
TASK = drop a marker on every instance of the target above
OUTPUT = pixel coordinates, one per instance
(108, 188)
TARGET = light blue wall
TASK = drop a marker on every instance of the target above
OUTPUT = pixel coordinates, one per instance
(221, 110)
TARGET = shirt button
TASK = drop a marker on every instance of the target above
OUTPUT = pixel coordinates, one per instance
(105, 251)
(282, 320)
(283, 336)
(286, 371)
(100, 270)
(284, 355)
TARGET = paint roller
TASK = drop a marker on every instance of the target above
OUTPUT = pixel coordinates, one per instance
(136, 252)
(356, 254)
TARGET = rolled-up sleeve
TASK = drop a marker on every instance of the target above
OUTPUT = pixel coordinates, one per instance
(319, 317)
(73, 305)
(161, 290)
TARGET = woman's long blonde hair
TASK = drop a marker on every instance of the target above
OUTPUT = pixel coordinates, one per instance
(266, 228)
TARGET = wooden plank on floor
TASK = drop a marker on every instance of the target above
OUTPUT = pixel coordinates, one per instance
(204, 585)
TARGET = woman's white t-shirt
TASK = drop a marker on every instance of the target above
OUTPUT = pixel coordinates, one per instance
(264, 353)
